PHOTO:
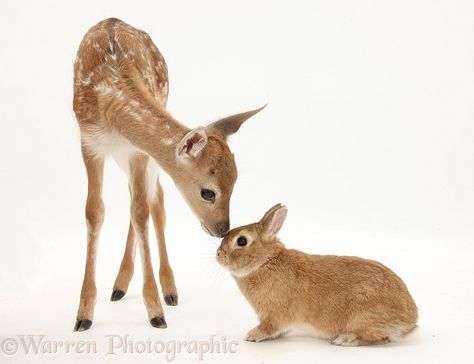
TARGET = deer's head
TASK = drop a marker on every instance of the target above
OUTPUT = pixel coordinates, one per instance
(207, 171)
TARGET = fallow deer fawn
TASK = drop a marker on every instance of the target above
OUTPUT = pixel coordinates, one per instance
(120, 95)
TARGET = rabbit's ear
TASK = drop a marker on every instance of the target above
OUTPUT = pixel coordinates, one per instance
(272, 221)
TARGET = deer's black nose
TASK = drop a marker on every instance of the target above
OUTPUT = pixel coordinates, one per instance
(222, 228)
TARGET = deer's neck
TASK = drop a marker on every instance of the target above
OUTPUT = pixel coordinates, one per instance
(155, 134)
(143, 122)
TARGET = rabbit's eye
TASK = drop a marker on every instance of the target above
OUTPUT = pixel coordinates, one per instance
(242, 241)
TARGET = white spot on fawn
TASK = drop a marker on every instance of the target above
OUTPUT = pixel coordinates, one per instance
(120, 95)
(103, 88)
(135, 115)
(167, 141)
(87, 80)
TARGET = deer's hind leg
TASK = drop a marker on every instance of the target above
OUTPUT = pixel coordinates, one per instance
(156, 204)
(156, 201)
(127, 266)
(139, 213)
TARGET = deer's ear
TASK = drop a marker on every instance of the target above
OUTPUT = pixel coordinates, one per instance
(231, 124)
(272, 221)
(192, 144)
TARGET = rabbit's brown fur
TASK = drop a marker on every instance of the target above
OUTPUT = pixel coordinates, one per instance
(350, 300)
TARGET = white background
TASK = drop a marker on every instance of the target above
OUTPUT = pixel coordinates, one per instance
(368, 139)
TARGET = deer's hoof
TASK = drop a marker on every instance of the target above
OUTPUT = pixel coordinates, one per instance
(171, 300)
(82, 325)
(117, 294)
(158, 322)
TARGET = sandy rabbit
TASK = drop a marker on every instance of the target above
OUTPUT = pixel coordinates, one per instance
(349, 300)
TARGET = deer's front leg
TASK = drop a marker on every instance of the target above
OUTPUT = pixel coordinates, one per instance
(94, 218)
(139, 215)
(168, 286)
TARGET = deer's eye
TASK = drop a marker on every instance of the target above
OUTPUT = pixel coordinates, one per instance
(208, 195)
(242, 241)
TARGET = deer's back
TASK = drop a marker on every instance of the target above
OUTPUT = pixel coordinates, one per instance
(100, 60)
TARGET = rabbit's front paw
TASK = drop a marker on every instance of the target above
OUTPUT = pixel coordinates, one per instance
(256, 335)
(348, 339)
